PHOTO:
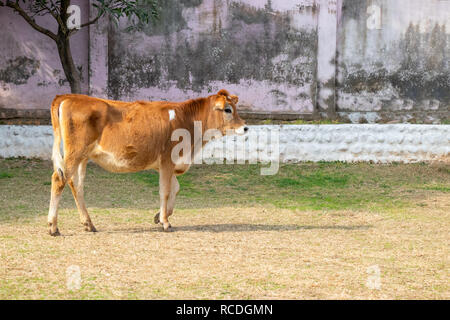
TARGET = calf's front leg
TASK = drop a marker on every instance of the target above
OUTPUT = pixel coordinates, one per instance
(165, 181)
(174, 189)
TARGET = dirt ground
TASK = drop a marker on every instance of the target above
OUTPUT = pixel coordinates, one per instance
(313, 231)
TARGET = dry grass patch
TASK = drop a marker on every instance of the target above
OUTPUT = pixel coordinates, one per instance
(254, 237)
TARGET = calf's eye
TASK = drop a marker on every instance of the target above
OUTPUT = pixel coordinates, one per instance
(228, 110)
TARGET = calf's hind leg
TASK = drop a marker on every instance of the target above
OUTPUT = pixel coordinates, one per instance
(76, 184)
(59, 180)
(58, 184)
(70, 175)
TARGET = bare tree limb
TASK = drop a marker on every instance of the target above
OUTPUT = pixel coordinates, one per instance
(54, 14)
(73, 31)
(91, 22)
(31, 22)
(64, 5)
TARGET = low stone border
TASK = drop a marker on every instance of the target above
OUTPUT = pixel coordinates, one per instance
(297, 143)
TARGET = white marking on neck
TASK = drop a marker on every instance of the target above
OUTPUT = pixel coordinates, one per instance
(171, 114)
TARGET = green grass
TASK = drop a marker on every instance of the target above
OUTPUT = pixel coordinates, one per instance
(4, 175)
(306, 186)
(442, 188)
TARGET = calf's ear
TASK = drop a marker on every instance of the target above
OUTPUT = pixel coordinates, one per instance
(220, 103)
(223, 92)
(234, 98)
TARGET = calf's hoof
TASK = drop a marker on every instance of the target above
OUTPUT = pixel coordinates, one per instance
(54, 232)
(167, 227)
(156, 218)
(53, 229)
(89, 227)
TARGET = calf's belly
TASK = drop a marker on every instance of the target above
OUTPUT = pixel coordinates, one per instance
(114, 163)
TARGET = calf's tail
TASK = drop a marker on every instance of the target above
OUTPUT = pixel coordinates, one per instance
(58, 162)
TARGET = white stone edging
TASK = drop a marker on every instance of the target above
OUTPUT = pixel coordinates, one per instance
(381, 143)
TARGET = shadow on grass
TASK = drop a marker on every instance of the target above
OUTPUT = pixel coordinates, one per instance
(243, 227)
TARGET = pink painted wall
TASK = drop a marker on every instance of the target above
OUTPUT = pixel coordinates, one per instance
(116, 63)
(263, 51)
(104, 50)
(300, 56)
(30, 64)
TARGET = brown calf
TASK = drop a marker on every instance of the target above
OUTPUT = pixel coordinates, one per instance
(128, 137)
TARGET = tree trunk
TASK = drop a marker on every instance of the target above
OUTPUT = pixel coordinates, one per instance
(65, 54)
(70, 70)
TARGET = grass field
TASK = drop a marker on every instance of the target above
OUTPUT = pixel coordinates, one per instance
(311, 231)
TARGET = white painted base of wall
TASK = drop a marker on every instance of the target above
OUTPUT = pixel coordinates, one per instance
(26, 141)
(346, 142)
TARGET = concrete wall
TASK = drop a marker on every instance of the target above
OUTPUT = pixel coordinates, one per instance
(394, 59)
(263, 51)
(30, 70)
(349, 143)
(360, 61)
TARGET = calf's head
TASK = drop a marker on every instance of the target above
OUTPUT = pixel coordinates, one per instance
(224, 115)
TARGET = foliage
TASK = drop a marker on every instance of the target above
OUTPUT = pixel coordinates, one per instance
(136, 11)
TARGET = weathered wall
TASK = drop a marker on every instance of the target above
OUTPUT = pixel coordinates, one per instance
(349, 143)
(264, 51)
(316, 58)
(30, 70)
(394, 60)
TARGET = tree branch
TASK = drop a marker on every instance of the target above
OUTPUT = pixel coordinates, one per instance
(73, 31)
(64, 5)
(31, 22)
(91, 22)
(54, 14)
